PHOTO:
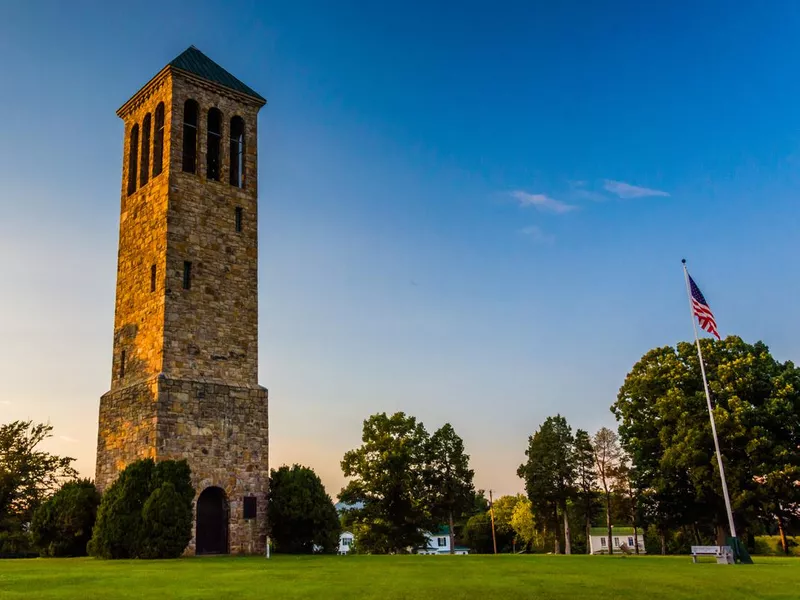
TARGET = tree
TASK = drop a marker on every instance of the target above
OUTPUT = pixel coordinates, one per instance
(62, 525)
(607, 455)
(478, 533)
(524, 524)
(301, 514)
(27, 477)
(585, 472)
(449, 477)
(146, 512)
(167, 523)
(664, 427)
(389, 482)
(550, 471)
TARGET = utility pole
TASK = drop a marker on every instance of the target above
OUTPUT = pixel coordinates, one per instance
(491, 512)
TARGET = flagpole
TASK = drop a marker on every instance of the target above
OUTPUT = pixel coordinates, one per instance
(710, 409)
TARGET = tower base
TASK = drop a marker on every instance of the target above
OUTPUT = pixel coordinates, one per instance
(223, 433)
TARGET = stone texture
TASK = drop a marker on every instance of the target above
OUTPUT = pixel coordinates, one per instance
(189, 388)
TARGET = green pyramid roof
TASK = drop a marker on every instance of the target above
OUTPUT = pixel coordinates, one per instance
(197, 63)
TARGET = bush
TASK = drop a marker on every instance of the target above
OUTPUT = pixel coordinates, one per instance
(146, 512)
(770, 545)
(168, 524)
(301, 514)
(62, 525)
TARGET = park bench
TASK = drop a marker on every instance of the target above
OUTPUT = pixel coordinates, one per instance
(723, 554)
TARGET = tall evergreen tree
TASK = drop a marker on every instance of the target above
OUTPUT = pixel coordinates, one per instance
(449, 477)
(586, 478)
(550, 472)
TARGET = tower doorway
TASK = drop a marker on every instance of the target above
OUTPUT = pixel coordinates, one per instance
(212, 522)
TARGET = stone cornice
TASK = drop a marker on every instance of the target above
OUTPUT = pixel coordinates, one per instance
(158, 80)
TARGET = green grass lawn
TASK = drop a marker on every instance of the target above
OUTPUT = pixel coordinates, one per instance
(393, 577)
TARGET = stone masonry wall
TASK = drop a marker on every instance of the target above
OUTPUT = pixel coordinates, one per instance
(139, 314)
(223, 432)
(127, 429)
(211, 330)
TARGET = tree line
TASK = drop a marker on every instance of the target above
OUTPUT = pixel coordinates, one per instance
(658, 474)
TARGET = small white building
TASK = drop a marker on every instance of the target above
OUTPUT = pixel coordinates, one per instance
(438, 542)
(345, 542)
(599, 541)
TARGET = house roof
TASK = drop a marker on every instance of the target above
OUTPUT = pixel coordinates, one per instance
(615, 530)
(195, 62)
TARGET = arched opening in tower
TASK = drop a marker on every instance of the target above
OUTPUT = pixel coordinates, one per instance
(212, 522)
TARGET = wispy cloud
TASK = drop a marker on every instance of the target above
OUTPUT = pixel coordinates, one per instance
(537, 235)
(578, 190)
(6, 402)
(542, 202)
(68, 439)
(626, 190)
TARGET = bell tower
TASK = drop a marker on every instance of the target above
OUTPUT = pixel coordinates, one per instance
(184, 380)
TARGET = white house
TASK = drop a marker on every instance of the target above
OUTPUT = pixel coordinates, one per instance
(438, 542)
(599, 540)
(345, 542)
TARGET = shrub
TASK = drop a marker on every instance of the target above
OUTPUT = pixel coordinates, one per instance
(146, 512)
(167, 522)
(62, 525)
(301, 514)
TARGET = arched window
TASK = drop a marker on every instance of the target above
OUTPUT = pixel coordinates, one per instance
(133, 158)
(190, 110)
(214, 134)
(158, 140)
(237, 152)
(144, 170)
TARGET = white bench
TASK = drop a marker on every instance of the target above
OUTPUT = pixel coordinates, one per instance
(723, 554)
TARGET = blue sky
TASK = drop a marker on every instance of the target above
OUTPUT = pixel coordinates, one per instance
(470, 212)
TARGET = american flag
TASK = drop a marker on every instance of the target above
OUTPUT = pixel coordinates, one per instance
(701, 309)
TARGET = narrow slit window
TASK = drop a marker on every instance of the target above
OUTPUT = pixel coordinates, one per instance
(144, 170)
(153, 278)
(237, 152)
(133, 158)
(214, 139)
(122, 364)
(187, 275)
(190, 110)
(158, 140)
(238, 219)
(249, 506)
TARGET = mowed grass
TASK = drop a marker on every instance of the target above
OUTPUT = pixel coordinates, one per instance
(395, 577)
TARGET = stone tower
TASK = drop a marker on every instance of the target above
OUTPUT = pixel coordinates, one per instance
(184, 380)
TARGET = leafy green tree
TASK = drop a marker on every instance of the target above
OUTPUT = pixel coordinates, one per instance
(27, 477)
(449, 478)
(146, 512)
(664, 427)
(389, 481)
(550, 472)
(478, 534)
(62, 525)
(524, 524)
(586, 495)
(607, 455)
(301, 513)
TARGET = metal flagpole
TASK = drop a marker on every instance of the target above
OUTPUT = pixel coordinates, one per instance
(710, 409)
